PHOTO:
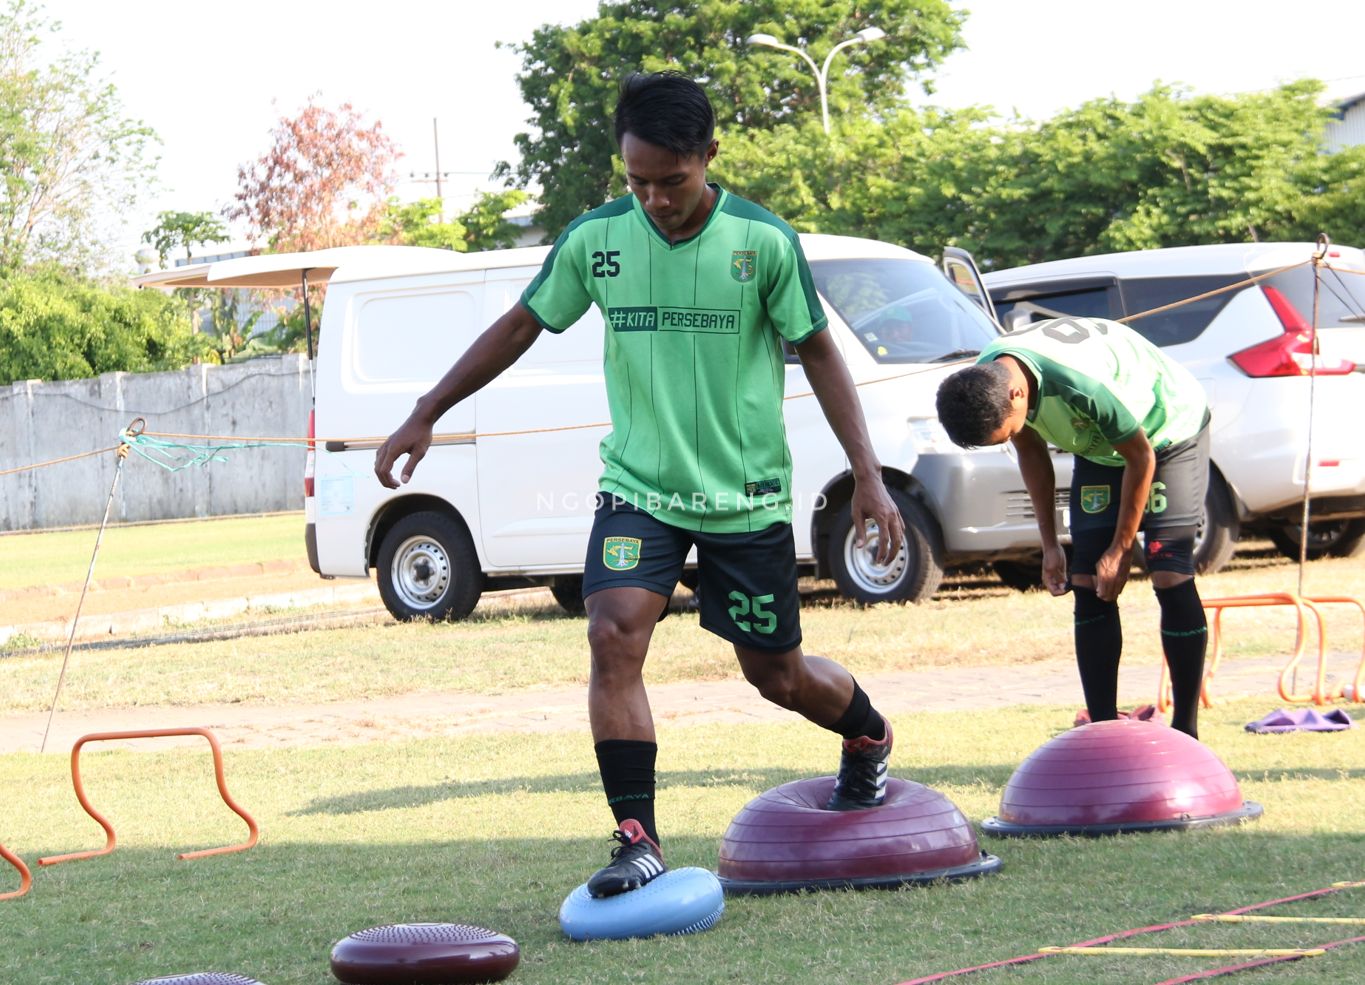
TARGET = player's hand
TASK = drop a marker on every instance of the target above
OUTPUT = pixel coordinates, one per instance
(872, 502)
(413, 439)
(1054, 569)
(1111, 573)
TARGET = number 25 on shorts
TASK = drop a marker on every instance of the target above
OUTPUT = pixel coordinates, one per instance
(762, 620)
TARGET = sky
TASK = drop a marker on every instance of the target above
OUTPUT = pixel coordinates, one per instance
(213, 79)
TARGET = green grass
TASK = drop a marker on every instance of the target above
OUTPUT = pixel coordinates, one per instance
(976, 623)
(496, 830)
(63, 556)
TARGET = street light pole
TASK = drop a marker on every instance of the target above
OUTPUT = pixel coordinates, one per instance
(821, 72)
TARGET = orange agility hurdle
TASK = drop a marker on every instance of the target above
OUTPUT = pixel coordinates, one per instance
(25, 877)
(110, 839)
(1305, 607)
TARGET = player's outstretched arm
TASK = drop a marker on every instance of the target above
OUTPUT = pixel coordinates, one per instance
(500, 345)
(1035, 466)
(833, 387)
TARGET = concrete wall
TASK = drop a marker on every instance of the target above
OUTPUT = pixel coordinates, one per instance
(43, 421)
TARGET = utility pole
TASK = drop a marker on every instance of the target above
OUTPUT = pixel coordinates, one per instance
(438, 174)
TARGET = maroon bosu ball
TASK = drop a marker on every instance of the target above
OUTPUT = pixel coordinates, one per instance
(201, 978)
(424, 954)
(1116, 776)
(784, 840)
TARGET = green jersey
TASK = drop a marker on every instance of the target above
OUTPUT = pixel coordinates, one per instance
(694, 363)
(1098, 382)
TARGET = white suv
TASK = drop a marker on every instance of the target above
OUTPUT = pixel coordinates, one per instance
(1251, 345)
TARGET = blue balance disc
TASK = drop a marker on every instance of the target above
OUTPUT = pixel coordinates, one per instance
(681, 901)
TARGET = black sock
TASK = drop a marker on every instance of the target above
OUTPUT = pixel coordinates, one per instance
(861, 719)
(1184, 638)
(1099, 644)
(627, 768)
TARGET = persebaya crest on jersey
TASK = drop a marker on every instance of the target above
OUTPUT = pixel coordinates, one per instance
(621, 553)
(1094, 499)
(743, 265)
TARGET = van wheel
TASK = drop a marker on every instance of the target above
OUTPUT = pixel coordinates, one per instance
(1216, 540)
(568, 592)
(1326, 538)
(913, 575)
(428, 569)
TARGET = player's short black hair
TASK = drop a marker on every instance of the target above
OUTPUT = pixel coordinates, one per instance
(666, 109)
(973, 403)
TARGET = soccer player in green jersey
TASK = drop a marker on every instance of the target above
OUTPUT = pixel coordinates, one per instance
(1137, 422)
(699, 289)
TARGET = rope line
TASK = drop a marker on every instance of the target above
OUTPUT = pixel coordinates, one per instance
(159, 447)
(58, 461)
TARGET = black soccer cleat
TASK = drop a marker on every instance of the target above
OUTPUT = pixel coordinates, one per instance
(861, 783)
(636, 861)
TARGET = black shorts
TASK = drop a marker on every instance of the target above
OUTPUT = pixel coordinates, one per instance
(747, 581)
(1175, 504)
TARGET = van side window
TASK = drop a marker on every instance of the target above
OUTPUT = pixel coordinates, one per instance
(1188, 318)
(1016, 309)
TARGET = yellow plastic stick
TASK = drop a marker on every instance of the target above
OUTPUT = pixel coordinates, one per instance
(1237, 918)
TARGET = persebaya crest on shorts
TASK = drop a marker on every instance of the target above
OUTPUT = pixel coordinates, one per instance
(621, 553)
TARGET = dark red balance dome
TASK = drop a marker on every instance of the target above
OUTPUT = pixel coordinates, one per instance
(1123, 775)
(785, 841)
(424, 954)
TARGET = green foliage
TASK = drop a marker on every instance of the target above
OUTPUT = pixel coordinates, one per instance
(420, 223)
(570, 75)
(184, 230)
(1167, 170)
(483, 227)
(66, 149)
(56, 326)
(486, 224)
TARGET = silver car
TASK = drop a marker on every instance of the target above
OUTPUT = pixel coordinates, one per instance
(1241, 317)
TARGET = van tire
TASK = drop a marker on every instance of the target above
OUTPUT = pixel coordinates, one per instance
(428, 569)
(913, 575)
(1216, 541)
(1327, 538)
(568, 592)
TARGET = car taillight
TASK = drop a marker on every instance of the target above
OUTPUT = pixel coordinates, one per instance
(1291, 353)
(310, 460)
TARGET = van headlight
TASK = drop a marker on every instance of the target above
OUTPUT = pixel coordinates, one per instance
(929, 436)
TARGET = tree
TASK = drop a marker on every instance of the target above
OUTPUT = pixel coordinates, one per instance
(570, 76)
(324, 182)
(484, 227)
(184, 230)
(69, 158)
(55, 325)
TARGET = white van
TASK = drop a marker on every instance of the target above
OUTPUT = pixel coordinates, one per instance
(505, 496)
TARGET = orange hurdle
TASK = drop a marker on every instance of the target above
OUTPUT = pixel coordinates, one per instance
(25, 877)
(110, 840)
(1304, 607)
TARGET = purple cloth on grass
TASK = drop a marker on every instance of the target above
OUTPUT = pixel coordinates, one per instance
(1302, 720)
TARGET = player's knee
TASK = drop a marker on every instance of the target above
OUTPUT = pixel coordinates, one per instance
(777, 681)
(1172, 553)
(615, 644)
(1089, 607)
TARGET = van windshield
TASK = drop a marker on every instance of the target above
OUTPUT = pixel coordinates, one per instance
(903, 311)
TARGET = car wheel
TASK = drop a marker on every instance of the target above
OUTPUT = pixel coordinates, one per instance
(568, 592)
(1326, 538)
(428, 569)
(1216, 540)
(913, 575)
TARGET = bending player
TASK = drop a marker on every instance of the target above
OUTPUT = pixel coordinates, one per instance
(1137, 422)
